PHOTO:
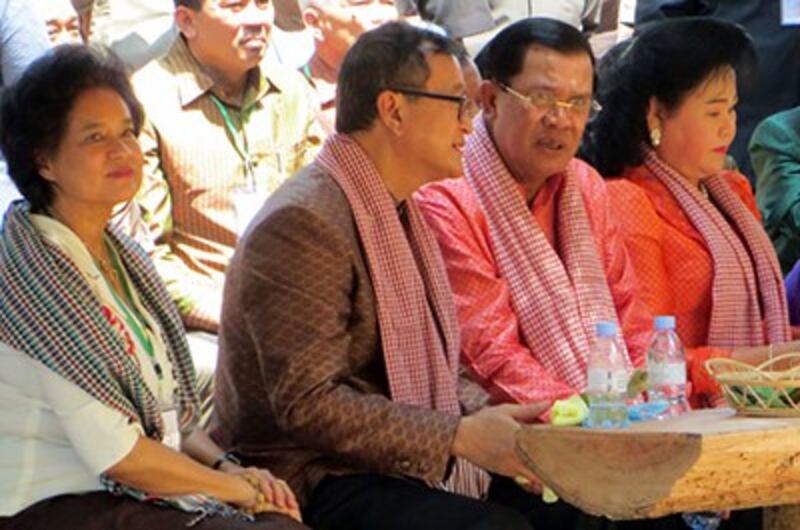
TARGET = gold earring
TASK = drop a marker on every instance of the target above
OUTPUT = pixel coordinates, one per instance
(655, 137)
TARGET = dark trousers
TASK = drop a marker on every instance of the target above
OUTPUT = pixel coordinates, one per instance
(371, 502)
(103, 511)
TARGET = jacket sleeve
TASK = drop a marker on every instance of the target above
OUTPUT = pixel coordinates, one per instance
(775, 155)
(299, 280)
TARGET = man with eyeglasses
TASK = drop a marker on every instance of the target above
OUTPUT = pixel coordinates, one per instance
(531, 248)
(339, 341)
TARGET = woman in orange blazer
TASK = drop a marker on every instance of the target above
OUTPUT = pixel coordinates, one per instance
(691, 227)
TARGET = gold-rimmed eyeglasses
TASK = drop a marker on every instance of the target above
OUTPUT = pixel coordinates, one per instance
(546, 101)
(467, 109)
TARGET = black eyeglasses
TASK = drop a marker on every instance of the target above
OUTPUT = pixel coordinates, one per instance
(467, 109)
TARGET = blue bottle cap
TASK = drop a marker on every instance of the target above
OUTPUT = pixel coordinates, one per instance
(663, 322)
(606, 328)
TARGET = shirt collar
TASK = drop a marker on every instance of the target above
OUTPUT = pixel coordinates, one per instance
(68, 242)
(194, 82)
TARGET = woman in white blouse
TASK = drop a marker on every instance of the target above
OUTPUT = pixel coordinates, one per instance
(98, 422)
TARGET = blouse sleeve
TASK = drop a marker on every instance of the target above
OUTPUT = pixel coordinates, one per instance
(642, 230)
(100, 435)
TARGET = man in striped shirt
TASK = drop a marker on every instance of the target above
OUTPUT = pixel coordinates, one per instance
(224, 130)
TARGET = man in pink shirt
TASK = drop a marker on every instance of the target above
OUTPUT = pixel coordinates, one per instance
(532, 251)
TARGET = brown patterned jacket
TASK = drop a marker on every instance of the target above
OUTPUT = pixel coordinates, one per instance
(301, 387)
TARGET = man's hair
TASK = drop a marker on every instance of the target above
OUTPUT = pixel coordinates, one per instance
(34, 111)
(504, 56)
(392, 55)
(668, 61)
(191, 4)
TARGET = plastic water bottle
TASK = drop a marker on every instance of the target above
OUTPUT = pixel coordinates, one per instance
(666, 368)
(608, 374)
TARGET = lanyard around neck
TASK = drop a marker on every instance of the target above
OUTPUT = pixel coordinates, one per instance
(238, 138)
(133, 317)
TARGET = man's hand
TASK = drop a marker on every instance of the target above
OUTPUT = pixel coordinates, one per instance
(487, 439)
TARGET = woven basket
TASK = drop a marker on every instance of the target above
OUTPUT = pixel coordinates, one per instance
(770, 389)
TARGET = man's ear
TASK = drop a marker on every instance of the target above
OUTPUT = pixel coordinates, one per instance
(487, 99)
(185, 21)
(392, 111)
(313, 21)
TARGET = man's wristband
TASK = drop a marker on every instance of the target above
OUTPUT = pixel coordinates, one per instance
(227, 456)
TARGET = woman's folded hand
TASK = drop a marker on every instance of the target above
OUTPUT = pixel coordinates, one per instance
(271, 494)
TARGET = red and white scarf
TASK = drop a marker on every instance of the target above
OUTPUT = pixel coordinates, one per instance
(559, 294)
(413, 297)
(49, 312)
(748, 299)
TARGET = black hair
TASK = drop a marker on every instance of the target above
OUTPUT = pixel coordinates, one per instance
(503, 57)
(667, 60)
(392, 55)
(34, 111)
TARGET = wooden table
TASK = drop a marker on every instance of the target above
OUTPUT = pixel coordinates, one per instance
(704, 460)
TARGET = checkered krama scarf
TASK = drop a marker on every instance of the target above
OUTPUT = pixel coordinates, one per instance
(559, 294)
(49, 312)
(416, 314)
(748, 298)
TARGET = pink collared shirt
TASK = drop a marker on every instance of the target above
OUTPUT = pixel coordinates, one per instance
(492, 347)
